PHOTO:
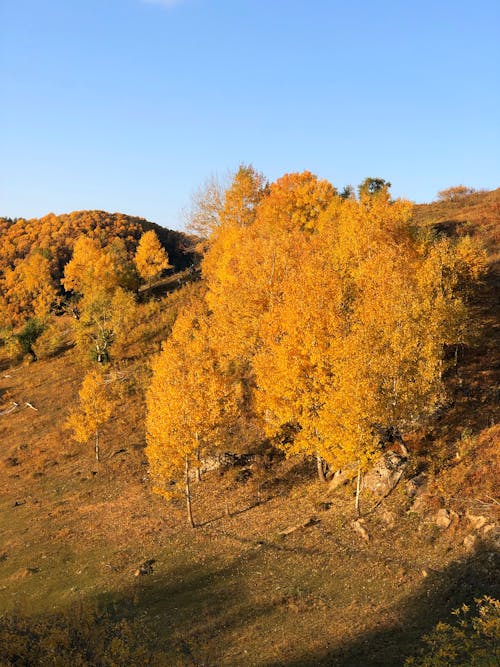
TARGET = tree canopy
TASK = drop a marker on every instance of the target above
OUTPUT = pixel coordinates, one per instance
(333, 312)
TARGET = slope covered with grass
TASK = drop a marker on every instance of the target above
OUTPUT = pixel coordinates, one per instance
(242, 588)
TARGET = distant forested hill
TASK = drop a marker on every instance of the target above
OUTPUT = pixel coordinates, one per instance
(55, 236)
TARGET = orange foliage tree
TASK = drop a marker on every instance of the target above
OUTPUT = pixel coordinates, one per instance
(105, 309)
(104, 321)
(332, 312)
(150, 257)
(93, 412)
(246, 265)
(91, 268)
(29, 289)
(355, 344)
(191, 404)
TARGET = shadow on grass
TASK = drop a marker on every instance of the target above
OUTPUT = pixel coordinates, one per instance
(193, 611)
(206, 614)
(438, 595)
(233, 513)
(191, 615)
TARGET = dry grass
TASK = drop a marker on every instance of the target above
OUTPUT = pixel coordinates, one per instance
(231, 592)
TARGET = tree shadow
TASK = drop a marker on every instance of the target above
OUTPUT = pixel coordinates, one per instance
(190, 613)
(207, 613)
(269, 545)
(232, 513)
(438, 595)
(189, 607)
(296, 471)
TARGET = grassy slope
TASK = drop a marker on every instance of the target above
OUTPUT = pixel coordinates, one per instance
(233, 591)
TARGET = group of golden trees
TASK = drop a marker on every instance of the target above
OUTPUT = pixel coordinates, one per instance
(322, 323)
(103, 280)
(74, 262)
(323, 316)
(87, 264)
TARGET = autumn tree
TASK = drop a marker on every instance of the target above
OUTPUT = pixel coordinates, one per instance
(295, 364)
(29, 289)
(242, 197)
(191, 404)
(216, 204)
(203, 217)
(246, 266)
(105, 318)
(355, 344)
(455, 193)
(126, 273)
(93, 412)
(150, 257)
(104, 309)
(91, 268)
(325, 318)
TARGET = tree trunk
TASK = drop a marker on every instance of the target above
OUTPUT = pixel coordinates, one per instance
(358, 489)
(321, 471)
(188, 495)
(198, 462)
(97, 445)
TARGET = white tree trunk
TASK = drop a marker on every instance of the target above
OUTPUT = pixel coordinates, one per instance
(188, 495)
(358, 489)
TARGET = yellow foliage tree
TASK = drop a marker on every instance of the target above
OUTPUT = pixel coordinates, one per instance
(300, 339)
(333, 314)
(213, 206)
(242, 197)
(191, 404)
(90, 269)
(105, 309)
(104, 321)
(29, 290)
(246, 265)
(354, 346)
(94, 410)
(150, 257)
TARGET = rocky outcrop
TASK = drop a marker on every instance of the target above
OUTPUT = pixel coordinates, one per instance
(341, 477)
(384, 475)
(444, 518)
(416, 485)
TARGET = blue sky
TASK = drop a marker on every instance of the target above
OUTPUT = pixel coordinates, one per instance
(129, 105)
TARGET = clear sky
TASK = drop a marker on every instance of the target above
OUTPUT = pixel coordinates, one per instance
(130, 105)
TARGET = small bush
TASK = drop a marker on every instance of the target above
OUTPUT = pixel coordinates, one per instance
(10, 346)
(28, 336)
(456, 193)
(471, 641)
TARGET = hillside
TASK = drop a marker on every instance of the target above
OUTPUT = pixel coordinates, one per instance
(243, 588)
(55, 235)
